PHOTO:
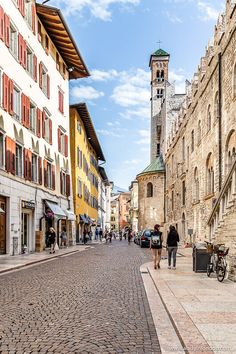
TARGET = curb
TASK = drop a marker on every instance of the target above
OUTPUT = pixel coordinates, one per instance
(35, 262)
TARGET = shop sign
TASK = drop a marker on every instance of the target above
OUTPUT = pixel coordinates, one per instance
(27, 204)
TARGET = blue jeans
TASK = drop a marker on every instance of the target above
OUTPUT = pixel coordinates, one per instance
(172, 250)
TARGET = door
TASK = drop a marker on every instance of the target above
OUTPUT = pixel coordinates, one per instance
(25, 231)
(3, 225)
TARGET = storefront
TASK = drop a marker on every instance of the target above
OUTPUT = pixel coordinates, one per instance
(54, 216)
(27, 226)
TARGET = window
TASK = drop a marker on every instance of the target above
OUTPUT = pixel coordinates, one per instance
(28, 12)
(62, 142)
(49, 175)
(63, 183)
(44, 80)
(149, 190)
(199, 132)
(172, 200)
(79, 187)
(183, 193)
(216, 106)
(188, 156)
(19, 161)
(34, 168)
(209, 118)
(160, 93)
(183, 149)
(210, 175)
(196, 185)
(79, 127)
(158, 149)
(13, 41)
(160, 75)
(32, 117)
(30, 62)
(16, 103)
(2, 150)
(47, 126)
(192, 141)
(79, 157)
(61, 101)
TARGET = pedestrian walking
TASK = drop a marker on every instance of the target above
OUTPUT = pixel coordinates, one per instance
(52, 239)
(129, 235)
(156, 246)
(96, 233)
(172, 246)
(100, 235)
(63, 237)
(110, 236)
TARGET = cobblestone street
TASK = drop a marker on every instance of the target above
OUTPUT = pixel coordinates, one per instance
(89, 302)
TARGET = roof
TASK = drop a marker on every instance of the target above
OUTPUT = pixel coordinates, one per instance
(56, 27)
(160, 53)
(90, 131)
(102, 173)
(155, 166)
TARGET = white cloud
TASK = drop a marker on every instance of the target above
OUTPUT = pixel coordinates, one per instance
(140, 112)
(144, 137)
(113, 124)
(173, 18)
(98, 8)
(101, 75)
(178, 77)
(85, 93)
(107, 132)
(209, 12)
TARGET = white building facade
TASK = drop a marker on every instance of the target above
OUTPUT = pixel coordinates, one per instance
(35, 171)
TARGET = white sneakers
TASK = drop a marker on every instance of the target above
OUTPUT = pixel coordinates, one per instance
(171, 268)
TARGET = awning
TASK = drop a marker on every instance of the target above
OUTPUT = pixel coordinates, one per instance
(83, 218)
(70, 215)
(2, 211)
(57, 211)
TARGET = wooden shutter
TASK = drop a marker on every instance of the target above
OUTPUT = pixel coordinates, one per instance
(59, 139)
(23, 109)
(7, 30)
(13, 157)
(50, 131)
(43, 124)
(35, 68)
(21, 6)
(20, 48)
(66, 145)
(10, 98)
(53, 177)
(5, 82)
(1, 23)
(40, 179)
(33, 9)
(68, 185)
(38, 123)
(45, 173)
(40, 75)
(8, 153)
(48, 86)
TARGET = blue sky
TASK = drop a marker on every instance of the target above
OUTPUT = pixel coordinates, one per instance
(116, 38)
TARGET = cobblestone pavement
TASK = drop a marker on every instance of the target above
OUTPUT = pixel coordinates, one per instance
(89, 302)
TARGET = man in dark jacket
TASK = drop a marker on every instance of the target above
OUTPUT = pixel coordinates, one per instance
(172, 244)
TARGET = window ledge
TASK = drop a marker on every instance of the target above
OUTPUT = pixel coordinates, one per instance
(209, 196)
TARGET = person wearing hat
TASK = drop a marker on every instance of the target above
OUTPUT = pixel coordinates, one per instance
(156, 246)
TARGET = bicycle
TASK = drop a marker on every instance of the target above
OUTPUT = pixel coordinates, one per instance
(217, 262)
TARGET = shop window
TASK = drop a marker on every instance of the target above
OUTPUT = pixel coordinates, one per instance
(2, 150)
(19, 161)
(13, 40)
(16, 103)
(34, 168)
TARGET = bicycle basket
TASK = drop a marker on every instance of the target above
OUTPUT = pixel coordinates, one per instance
(210, 248)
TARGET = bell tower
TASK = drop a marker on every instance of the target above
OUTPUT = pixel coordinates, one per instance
(159, 65)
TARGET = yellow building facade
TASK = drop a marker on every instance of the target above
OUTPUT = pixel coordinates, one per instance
(85, 154)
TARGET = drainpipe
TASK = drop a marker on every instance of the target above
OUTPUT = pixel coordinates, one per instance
(220, 117)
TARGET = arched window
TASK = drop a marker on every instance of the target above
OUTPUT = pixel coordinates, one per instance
(210, 179)
(199, 132)
(234, 81)
(216, 106)
(196, 185)
(230, 150)
(209, 118)
(149, 190)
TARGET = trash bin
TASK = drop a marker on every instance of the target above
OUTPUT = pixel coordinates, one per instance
(200, 258)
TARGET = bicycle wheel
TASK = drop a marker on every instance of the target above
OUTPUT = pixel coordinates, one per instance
(209, 269)
(220, 272)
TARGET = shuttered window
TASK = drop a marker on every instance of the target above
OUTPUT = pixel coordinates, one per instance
(19, 160)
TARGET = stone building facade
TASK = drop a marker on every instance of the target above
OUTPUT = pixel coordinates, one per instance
(200, 157)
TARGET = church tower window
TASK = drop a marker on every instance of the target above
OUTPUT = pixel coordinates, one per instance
(149, 190)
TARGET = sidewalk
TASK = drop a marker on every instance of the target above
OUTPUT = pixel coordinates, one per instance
(8, 263)
(202, 310)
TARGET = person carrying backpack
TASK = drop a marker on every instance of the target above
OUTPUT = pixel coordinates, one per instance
(156, 246)
(172, 244)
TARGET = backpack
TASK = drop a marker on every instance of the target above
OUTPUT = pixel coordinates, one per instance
(156, 240)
